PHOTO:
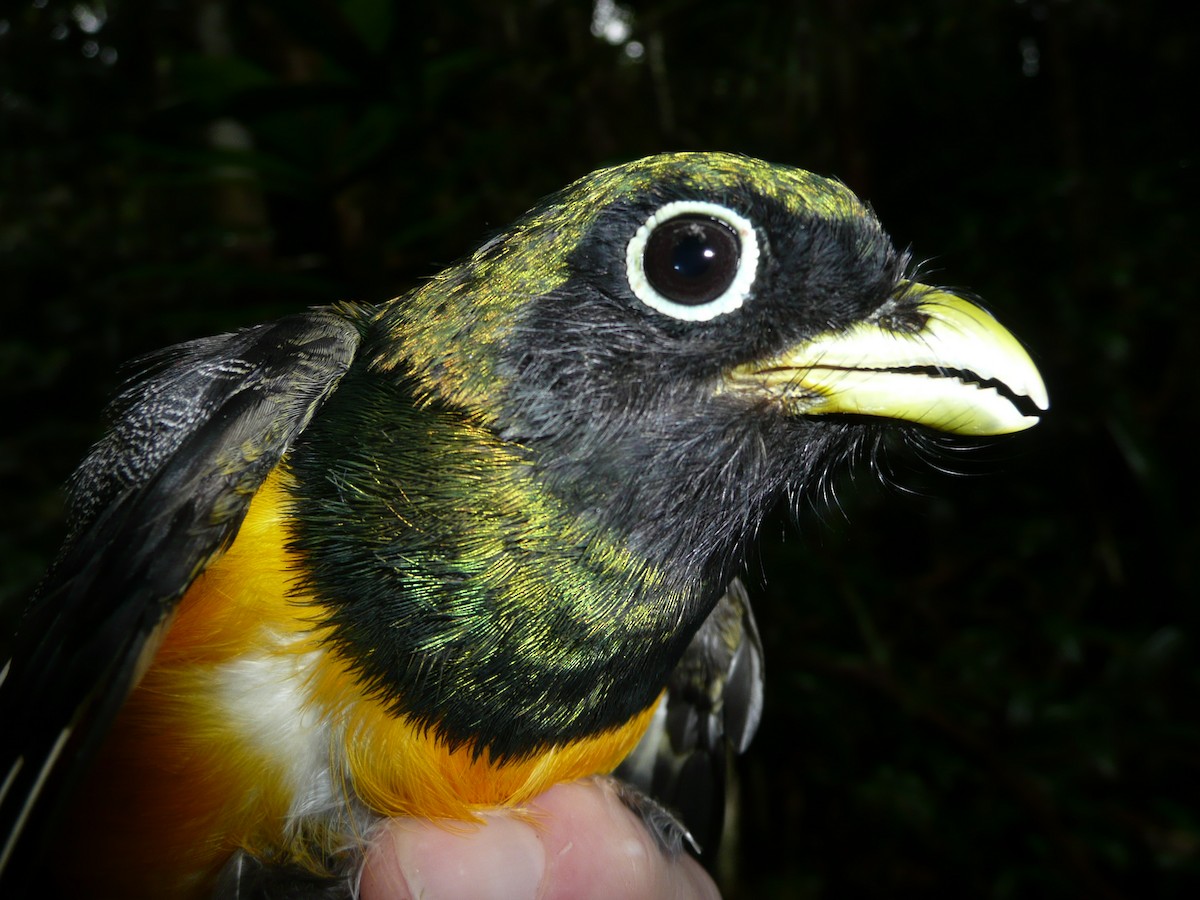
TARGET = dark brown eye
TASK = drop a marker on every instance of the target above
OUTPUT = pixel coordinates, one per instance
(693, 260)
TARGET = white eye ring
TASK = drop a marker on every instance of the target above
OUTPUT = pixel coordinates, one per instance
(733, 296)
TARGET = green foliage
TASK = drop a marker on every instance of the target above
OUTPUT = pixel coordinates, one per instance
(984, 689)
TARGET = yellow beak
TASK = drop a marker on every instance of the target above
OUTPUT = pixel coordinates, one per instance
(961, 371)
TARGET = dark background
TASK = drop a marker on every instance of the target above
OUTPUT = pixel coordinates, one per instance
(985, 687)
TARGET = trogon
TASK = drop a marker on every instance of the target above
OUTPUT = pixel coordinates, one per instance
(431, 557)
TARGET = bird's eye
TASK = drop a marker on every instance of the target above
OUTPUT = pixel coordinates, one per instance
(693, 260)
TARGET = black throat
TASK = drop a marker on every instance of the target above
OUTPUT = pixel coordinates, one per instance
(504, 600)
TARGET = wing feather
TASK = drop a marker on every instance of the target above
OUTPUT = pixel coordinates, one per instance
(156, 500)
(712, 705)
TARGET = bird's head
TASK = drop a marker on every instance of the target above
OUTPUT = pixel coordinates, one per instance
(679, 341)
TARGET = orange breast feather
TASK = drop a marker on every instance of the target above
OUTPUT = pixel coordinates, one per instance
(245, 727)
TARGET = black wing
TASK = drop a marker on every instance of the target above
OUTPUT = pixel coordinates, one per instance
(157, 499)
(713, 705)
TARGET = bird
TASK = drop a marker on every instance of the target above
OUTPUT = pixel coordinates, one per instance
(432, 556)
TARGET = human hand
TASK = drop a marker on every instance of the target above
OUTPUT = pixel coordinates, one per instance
(578, 841)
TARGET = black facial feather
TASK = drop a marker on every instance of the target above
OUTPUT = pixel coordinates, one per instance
(620, 402)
